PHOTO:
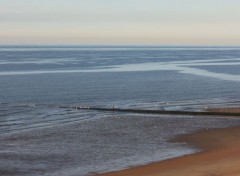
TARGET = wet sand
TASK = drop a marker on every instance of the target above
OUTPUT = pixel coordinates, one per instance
(225, 110)
(220, 156)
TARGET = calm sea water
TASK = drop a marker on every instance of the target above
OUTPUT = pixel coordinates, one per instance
(40, 137)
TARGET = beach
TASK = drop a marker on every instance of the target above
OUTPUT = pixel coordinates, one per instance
(115, 110)
(219, 156)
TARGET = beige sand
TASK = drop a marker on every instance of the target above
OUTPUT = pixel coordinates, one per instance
(220, 157)
(231, 110)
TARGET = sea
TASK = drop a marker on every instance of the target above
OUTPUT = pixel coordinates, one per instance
(44, 130)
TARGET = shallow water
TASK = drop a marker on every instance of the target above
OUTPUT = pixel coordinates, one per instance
(105, 143)
(43, 134)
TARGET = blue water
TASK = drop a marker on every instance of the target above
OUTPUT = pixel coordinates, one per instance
(40, 85)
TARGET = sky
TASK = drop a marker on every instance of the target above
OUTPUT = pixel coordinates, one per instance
(141, 22)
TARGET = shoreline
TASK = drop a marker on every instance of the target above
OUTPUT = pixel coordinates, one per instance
(219, 155)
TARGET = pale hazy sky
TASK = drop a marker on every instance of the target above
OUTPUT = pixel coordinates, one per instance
(161, 22)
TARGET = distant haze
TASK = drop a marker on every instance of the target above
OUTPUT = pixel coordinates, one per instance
(151, 22)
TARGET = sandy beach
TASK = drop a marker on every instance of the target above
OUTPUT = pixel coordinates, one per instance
(219, 156)
(225, 110)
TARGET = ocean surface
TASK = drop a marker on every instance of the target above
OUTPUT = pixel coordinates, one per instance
(42, 133)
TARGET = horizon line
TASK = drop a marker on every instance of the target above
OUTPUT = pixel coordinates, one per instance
(119, 45)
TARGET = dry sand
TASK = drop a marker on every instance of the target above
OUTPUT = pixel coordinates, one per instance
(220, 156)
